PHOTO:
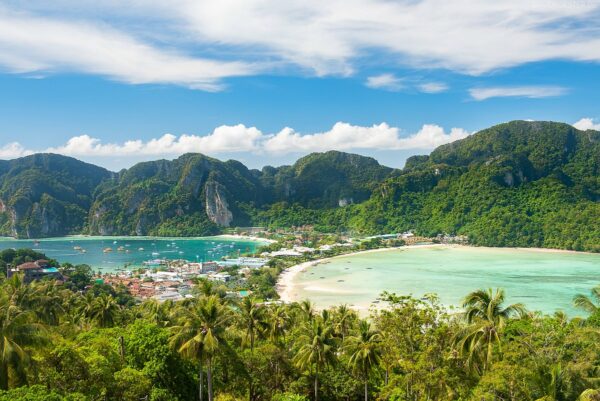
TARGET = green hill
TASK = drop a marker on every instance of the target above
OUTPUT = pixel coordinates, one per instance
(46, 195)
(515, 184)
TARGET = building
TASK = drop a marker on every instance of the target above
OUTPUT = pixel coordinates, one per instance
(38, 270)
(209, 267)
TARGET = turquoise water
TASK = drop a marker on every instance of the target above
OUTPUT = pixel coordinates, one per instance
(543, 281)
(192, 249)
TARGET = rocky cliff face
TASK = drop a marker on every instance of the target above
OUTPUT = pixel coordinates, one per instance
(217, 208)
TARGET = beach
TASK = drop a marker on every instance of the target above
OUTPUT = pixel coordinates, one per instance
(244, 238)
(285, 282)
(544, 279)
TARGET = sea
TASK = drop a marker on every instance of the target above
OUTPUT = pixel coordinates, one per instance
(543, 280)
(128, 253)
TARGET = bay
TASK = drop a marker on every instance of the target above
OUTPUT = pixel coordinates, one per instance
(543, 280)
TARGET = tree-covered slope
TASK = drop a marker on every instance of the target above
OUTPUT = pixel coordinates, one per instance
(322, 180)
(46, 195)
(515, 184)
(191, 195)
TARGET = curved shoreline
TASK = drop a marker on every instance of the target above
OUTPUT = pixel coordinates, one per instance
(285, 282)
(285, 286)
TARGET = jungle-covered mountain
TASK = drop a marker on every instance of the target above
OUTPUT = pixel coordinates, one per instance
(531, 184)
(46, 195)
(515, 184)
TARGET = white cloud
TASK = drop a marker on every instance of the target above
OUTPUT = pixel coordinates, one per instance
(149, 41)
(433, 87)
(587, 123)
(34, 45)
(384, 81)
(242, 139)
(517, 91)
(12, 150)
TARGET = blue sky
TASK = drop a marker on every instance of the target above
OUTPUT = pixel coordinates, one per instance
(265, 83)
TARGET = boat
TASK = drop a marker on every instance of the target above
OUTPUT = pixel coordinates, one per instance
(107, 250)
(77, 248)
(121, 248)
(155, 253)
(140, 249)
(114, 242)
(83, 250)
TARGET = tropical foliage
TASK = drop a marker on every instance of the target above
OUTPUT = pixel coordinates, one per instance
(62, 343)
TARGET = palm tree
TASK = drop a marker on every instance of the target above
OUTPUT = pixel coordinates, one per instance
(551, 382)
(364, 349)
(317, 350)
(307, 310)
(18, 328)
(586, 303)
(157, 312)
(278, 322)
(486, 318)
(252, 320)
(589, 395)
(343, 318)
(103, 310)
(200, 333)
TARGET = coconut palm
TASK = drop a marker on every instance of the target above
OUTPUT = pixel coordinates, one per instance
(103, 310)
(200, 334)
(278, 322)
(551, 382)
(317, 350)
(343, 318)
(486, 318)
(588, 304)
(364, 349)
(589, 395)
(18, 328)
(251, 320)
(157, 312)
(307, 310)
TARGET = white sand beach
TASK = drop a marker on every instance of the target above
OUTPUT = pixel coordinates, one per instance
(285, 282)
(245, 238)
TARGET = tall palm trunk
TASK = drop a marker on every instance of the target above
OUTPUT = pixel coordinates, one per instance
(317, 384)
(209, 378)
(366, 390)
(200, 379)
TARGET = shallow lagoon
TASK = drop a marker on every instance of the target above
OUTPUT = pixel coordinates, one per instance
(542, 280)
(192, 249)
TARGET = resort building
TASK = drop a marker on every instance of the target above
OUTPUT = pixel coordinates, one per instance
(38, 270)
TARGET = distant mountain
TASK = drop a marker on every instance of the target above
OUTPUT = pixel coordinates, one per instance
(46, 195)
(515, 184)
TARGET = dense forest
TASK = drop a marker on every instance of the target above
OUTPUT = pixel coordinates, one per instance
(83, 340)
(523, 183)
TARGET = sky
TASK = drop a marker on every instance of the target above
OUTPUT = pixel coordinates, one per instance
(266, 81)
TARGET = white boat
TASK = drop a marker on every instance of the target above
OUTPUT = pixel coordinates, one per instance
(155, 253)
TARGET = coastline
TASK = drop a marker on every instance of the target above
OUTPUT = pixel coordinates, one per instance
(243, 237)
(85, 237)
(285, 286)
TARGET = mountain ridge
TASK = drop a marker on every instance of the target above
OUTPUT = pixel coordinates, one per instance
(553, 168)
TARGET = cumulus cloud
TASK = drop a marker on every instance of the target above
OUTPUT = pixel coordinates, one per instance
(384, 81)
(12, 150)
(517, 91)
(150, 41)
(587, 123)
(239, 139)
